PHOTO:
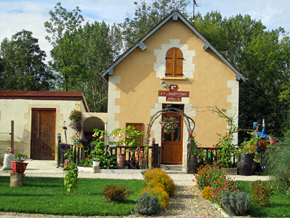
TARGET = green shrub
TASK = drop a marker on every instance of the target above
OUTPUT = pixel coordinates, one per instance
(261, 191)
(147, 205)
(116, 193)
(161, 176)
(236, 203)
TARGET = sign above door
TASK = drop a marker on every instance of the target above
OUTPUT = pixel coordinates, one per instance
(173, 94)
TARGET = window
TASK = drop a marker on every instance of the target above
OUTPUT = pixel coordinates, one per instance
(174, 63)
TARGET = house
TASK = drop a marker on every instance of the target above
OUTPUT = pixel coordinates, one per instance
(173, 65)
(38, 118)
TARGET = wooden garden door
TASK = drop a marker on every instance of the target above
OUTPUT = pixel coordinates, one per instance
(43, 133)
(171, 147)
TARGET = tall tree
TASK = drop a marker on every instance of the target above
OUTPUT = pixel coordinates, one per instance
(102, 44)
(146, 16)
(23, 66)
(267, 66)
(261, 56)
(62, 29)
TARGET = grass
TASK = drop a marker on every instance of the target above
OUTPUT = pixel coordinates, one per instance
(279, 204)
(48, 196)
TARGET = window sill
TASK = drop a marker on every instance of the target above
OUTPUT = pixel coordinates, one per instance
(173, 78)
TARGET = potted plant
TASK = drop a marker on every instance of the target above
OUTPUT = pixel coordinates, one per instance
(192, 150)
(99, 146)
(247, 156)
(132, 138)
(18, 166)
(169, 124)
(76, 124)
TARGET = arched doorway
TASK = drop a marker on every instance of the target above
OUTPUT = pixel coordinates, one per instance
(90, 124)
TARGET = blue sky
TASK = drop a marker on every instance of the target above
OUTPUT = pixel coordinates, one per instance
(16, 15)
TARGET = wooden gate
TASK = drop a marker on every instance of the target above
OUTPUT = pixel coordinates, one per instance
(171, 151)
(43, 133)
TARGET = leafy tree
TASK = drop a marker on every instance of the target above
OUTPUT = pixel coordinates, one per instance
(62, 29)
(146, 16)
(21, 64)
(81, 52)
(101, 43)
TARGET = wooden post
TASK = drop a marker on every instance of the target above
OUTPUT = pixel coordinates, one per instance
(12, 134)
(17, 179)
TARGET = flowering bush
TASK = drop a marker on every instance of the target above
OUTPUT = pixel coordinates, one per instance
(219, 187)
(206, 193)
(76, 122)
(160, 176)
(108, 162)
(169, 124)
(207, 174)
(158, 190)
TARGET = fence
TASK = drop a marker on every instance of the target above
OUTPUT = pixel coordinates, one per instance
(132, 158)
(211, 156)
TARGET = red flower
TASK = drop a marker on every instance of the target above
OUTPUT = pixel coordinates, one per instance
(109, 164)
(190, 133)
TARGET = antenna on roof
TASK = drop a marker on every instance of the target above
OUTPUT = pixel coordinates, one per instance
(193, 15)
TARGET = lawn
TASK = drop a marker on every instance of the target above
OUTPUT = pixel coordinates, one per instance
(279, 204)
(48, 196)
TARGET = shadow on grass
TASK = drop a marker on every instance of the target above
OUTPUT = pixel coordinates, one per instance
(25, 195)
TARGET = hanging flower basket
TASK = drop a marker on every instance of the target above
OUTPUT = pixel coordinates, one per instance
(169, 124)
(18, 167)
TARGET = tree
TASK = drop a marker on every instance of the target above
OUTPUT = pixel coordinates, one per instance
(22, 64)
(102, 44)
(268, 67)
(62, 27)
(146, 16)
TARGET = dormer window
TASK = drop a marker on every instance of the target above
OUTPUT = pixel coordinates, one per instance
(174, 63)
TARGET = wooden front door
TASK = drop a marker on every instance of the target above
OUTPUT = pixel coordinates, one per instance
(43, 133)
(171, 147)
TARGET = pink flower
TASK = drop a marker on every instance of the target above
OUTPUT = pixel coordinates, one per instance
(94, 135)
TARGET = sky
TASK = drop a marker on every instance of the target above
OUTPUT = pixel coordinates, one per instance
(16, 15)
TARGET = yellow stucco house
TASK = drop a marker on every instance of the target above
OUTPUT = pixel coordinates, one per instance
(173, 65)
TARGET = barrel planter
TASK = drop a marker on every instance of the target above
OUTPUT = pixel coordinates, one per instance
(192, 165)
(246, 165)
(120, 161)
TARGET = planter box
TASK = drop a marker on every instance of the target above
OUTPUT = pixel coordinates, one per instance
(85, 169)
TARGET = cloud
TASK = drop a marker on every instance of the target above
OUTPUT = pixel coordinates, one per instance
(31, 14)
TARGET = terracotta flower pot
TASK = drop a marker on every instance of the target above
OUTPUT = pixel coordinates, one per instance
(18, 167)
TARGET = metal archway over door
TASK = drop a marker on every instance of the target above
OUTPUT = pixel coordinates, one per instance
(173, 154)
(43, 133)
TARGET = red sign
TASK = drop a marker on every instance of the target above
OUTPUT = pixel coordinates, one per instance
(173, 94)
